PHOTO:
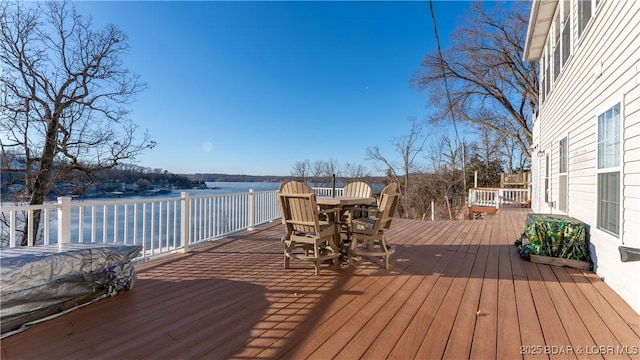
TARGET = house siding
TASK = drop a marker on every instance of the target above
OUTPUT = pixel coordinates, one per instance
(632, 162)
(611, 43)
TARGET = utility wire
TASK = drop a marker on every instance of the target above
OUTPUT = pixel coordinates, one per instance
(446, 88)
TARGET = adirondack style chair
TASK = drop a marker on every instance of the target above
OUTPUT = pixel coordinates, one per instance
(368, 233)
(353, 189)
(391, 188)
(307, 237)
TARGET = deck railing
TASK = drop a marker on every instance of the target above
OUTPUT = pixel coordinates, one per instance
(159, 225)
(490, 197)
(322, 191)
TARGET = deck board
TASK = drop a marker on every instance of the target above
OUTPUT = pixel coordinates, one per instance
(461, 335)
(597, 328)
(455, 289)
(407, 282)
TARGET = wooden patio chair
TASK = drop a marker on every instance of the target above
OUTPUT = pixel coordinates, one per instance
(354, 189)
(307, 237)
(391, 188)
(368, 233)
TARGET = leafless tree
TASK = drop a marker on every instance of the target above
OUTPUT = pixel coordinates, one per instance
(301, 170)
(65, 93)
(331, 169)
(447, 174)
(356, 172)
(482, 79)
(515, 160)
(408, 148)
(317, 171)
(486, 153)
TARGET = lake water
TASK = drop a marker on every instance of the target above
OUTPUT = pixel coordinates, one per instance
(235, 187)
(216, 188)
(243, 187)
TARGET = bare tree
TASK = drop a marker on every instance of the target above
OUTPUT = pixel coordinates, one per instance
(408, 147)
(317, 171)
(486, 155)
(65, 92)
(515, 160)
(331, 168)
(356, 172)
(482, 79)
(301, 170)
(447, 174)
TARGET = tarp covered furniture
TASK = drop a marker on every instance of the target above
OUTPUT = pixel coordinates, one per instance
(36, 280)
(554, 235)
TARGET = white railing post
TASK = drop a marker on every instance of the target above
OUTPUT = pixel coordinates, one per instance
(184, 220)
(64, 220)
(12, 228)
(432, 211)
(497, 195)
(252, 208)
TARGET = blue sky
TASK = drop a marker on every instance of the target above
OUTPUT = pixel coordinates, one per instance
(253, 87)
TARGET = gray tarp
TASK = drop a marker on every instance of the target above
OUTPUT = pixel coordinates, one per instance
(36, 277)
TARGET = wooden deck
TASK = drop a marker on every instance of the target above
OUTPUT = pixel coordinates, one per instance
(455, 290)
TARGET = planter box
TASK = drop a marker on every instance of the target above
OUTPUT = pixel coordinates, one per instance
(549, 260)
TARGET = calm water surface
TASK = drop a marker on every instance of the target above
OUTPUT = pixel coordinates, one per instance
(235, 187)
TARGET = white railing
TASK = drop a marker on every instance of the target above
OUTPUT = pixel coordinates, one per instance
(490, 197)
(159, 225)
(327, 191)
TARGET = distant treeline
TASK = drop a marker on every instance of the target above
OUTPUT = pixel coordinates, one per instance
(236, 178)
(267, 178)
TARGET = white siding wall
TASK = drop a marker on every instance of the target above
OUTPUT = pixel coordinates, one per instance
(631, 220)
(612, 42)
(537, 175)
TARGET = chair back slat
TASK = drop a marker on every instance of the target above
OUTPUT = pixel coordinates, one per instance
(390, 189)
(388, 205)
(357, 189)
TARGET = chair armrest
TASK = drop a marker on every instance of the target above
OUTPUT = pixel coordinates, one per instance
(370, 211)
(330, 210)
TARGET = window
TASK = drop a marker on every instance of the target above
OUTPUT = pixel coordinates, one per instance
(586, 8)
(556, 47)
(562, 157)
(547, 175)
(563, 166)
(566, 31)
(548, 75)
(608, 170)
(560, 37)
(544, 84)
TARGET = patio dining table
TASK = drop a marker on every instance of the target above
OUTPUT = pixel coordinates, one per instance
(345, 203)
